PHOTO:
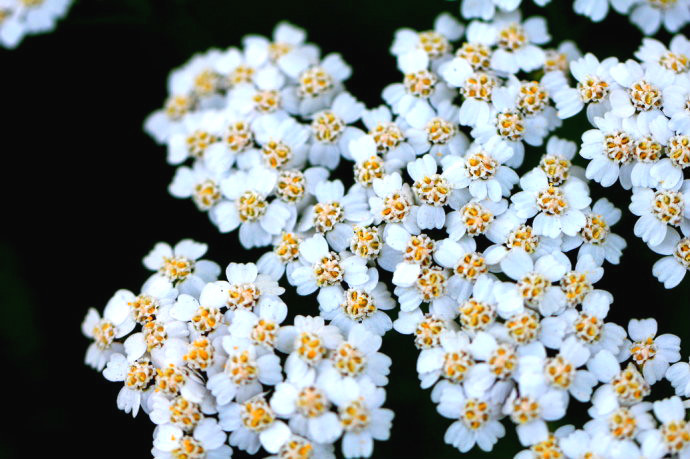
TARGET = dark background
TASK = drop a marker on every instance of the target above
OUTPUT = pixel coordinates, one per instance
(85, 198)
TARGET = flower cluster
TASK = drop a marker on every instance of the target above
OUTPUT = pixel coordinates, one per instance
(641, 138)
(19, 18)
(433, 233)
(647, 15)
(206, 357)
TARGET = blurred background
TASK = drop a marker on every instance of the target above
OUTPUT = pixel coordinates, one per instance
(85, 198)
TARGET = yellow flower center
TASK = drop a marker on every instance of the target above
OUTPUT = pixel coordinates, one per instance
(532, 98)
(421, 83)
(185, 414)
(435, 44)
(291, 185)
(256, 414)
(556, 168)
(348, 360)
(327, 215)
(432, 189)
(431, 283)
(314, 82)
(199, 354)
(479, 86)
(327, 127)
(354, 417)
(251, 206)
(476, 54)
(366, 241)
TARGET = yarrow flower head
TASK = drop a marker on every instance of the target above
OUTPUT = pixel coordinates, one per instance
(423, 233)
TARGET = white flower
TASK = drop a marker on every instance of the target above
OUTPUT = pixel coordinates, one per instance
(364, 305)
(207, 437)
(325, 270)
(199, 131)
(262, 327)
(672, 437)
(283, 142)
(660, 212)
(650, 352)
(675, 108)
(393, 201)
(453, 362)
(356, 357)
(678, 375)
(468, 265)
(253, 424)
(671, 269)
(589, 327)
(668, 172)
(248, 207)
(331, 130)
(389, 139)
(335, 212)
(117, 322)
(476, 87)
(556, 209)
(435, 132)
(481, 169)
(595, 239)
(486, 9)
(596, 10)
(432, 190)
(21, 18)
(518, 42)
(244, 372)
(625, 387)
(155, 336)
(471, 216)
(509, 232)
(527, 327)
(137, 377)
(256, 92)
(557, 162)
(649, 15)
(199, 183)
(561, 372)
(501, 359)
(307, 343)
(513, 119)
(235, 137)
(618, 426)
(181, 266)
(531, 408)
(642, 90)
(434, 42)
(247, 289)
(420, 90)
(177, 411)
(534, 282)
(193, 86)
(405, 248)
(610, 149)
(580, 444)
(476, 419)
(427, 328)
(284, 256)
(286, 38)
(296, 445)
(593, 87)
(317, 82)
(417, 285)
(674, 58)
(304, 402)
(362, 418)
